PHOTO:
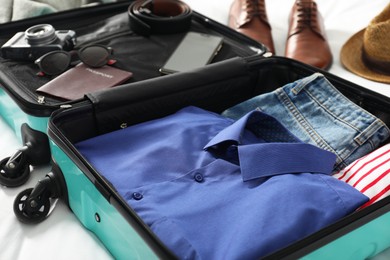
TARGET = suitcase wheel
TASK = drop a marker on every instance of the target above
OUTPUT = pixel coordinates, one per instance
(14, 170)
(30, 208)
(32, 205)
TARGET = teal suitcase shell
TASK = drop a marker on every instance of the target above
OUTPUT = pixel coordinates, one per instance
(99, 207)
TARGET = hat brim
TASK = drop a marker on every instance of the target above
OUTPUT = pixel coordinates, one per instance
(351, 58)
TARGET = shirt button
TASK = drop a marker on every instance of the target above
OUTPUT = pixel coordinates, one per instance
(198, 177)
(137, 196)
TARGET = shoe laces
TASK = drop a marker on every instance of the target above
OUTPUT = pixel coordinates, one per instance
(256, 8)
(306, 12)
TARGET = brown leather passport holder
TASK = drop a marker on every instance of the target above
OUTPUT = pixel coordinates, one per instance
(80, 80)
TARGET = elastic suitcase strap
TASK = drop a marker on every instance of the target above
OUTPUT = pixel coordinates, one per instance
(159, 16)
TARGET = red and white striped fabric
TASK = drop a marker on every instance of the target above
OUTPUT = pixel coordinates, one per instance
(369, 174)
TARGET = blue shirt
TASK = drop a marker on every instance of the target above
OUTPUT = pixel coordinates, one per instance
(212, 188)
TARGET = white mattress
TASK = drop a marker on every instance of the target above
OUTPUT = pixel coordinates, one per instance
(62, 236)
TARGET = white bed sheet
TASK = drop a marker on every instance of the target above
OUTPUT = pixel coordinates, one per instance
(62, 236)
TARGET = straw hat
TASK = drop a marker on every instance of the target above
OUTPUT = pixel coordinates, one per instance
(367, 53)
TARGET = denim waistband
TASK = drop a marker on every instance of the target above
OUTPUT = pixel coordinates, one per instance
(317, 113)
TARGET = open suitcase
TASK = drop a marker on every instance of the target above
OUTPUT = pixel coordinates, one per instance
(27, 111)
(217, 87)
(147, 96)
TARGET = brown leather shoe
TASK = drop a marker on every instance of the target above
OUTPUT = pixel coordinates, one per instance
(306, 40)
(249, 17)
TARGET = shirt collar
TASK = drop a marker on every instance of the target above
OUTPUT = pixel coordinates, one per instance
(269, 149)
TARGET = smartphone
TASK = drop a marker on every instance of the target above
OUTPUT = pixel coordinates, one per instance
(194, 51)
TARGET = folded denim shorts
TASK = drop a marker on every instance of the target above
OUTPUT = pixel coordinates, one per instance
(317, 113)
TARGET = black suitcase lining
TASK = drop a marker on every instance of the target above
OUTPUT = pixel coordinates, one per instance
(143, 57)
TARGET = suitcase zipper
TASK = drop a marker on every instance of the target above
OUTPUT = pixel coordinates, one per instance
(41, 100)
(258, 57)
(65, 106)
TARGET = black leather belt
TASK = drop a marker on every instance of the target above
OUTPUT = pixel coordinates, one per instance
(159, 16)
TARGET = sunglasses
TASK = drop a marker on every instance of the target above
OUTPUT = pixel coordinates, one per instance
(56, 62)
